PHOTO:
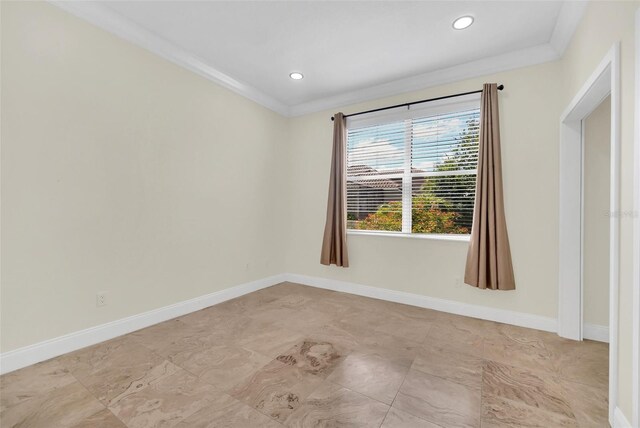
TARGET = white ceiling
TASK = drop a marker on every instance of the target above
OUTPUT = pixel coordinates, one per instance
(348, 51)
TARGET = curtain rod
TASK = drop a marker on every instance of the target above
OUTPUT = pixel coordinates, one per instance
(500, 87)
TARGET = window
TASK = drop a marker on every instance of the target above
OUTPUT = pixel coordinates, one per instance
(414, 172)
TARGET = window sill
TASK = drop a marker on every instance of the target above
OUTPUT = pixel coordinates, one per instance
(432, 236)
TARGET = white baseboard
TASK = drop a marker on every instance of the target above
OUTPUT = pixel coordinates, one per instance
(476, 311)
(596, 332)
(619, 419)
(22, 357)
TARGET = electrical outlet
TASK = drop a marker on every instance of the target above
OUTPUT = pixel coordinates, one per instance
(101, 299)
(458, 282)
(247, 267)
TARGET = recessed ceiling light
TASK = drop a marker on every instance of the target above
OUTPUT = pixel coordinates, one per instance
(296, 75)
(463, 22)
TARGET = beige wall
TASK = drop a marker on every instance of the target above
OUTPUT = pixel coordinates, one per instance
(530, 111)
(124, 173)
(597, 156)
(605, 23)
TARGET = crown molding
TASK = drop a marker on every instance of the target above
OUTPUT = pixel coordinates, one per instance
(567, 22)
(114, 23)
(569, 18)
(482, 67)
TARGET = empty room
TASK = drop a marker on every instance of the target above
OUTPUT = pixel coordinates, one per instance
(396, 214)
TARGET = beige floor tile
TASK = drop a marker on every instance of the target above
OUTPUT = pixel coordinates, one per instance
(61, 407)
(211, 317)
(473, 325)
(166, 402)
(450, 365)
(360, 323)
(455, 334)
(370, 375)
(535, 389)
(359, 303)
(227, 412)
(390, 347)
(344, 341)
(24, 384)
(273, 314)
(312, 357)
(333, 305)
(585, 362)
(153, 376)
(334, 406)
(590, 404)
(439, 401)
(295, 300)
(114, 369)
(531, 355)
(398, 419)
(252, 301)
(405, 327)
(270, 341)
(410, 311)
(234, 331)
(307, 318)
(276, 390)
(524, 335)
(378, 306)
(222, 366)
(196, 341)
(102, 419)
(498, 412)
(287, 288)
(173, 336)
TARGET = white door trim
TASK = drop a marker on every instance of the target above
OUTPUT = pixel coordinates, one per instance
(635, 416)
(604, 81)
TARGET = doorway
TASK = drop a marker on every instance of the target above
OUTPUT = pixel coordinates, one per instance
(602, 84)
(596, 195)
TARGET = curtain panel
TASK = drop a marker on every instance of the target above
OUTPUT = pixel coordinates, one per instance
(334, 242)
(489, 263)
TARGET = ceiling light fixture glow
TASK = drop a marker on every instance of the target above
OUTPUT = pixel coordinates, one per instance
(296, 75)
(463, 22)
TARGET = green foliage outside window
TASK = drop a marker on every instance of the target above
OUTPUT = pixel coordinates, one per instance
(434, 209)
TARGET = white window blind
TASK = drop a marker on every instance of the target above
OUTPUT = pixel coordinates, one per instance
(414, 171)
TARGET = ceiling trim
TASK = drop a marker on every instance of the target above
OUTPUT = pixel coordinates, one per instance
(482, 67)
(122, 27)
(568, 19)
(567, 22)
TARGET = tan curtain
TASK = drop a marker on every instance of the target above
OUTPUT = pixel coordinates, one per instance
(489, 257)
(334, 243)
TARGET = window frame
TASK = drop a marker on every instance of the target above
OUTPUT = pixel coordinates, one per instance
(434, 108)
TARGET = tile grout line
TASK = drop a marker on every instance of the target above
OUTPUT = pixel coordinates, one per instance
(105, 407)
(401, 384)
(225, 392)
(168, 358)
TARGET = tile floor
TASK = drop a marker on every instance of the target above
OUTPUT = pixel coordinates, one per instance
(297, 356)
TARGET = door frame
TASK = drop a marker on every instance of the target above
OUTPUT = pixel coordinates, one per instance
(604, 81)
(635, 416)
